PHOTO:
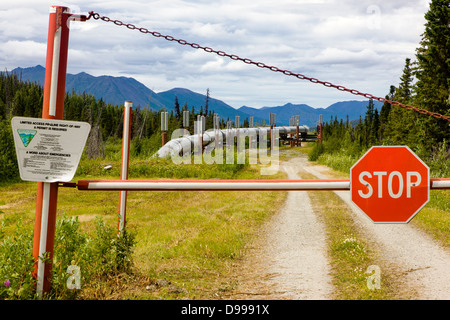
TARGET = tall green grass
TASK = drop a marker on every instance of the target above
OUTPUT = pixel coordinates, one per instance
(188, 238)
(338, 161)
(103, 252)
(158, 168)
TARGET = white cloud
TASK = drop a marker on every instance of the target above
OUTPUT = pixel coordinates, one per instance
(22, 53)
(361, 44)
(331, 56)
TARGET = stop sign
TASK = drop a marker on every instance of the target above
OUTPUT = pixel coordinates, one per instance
(390, 184)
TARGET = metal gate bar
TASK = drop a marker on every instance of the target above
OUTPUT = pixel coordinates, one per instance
(226, 185)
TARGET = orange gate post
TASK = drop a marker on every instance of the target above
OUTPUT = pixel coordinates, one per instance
(53, 108)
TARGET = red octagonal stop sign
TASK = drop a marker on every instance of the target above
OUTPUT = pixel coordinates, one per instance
(390, 184)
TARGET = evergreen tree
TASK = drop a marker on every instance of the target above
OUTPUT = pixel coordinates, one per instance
(177, 108)
(2, 109)
(371, 125)
(375, 128)
(385, 110)
(402, 125)
(404, 91)
(207, 102)
(433, 71)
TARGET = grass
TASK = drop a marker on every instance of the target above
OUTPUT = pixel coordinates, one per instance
(434, 218)
(350, 253)
(184, 240)
(199, 237)
(338, 161)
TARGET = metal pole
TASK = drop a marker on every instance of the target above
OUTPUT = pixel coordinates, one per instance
(237, 126)
(223, 185)
(126, 137)
(53, 108)
(273, 121)
(216, 131)
(297, 123)
(214, 185)
(200, 126)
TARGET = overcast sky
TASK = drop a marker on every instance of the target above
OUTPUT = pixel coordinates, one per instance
(356, 43)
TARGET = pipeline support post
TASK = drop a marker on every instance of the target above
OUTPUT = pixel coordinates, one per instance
(186, 119)
(320, 128)
(273, 122)
(164, 127)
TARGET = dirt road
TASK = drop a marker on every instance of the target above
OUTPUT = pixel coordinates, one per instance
(289, 259)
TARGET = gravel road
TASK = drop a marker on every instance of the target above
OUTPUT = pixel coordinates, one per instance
(288, 261)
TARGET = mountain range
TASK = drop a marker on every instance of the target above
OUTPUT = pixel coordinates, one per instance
(116, 90)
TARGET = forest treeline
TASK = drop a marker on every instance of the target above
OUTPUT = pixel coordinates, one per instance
(24, 98)
(424, 83)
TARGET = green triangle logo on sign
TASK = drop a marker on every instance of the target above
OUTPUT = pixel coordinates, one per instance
(26, 136)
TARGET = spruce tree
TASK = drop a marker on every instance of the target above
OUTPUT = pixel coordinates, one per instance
(433, 72)
(404, 92)
(177, 108)
(402, 125)
(385, 110)
(207, 102)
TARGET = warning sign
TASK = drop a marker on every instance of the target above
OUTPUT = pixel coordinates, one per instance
(48, 150)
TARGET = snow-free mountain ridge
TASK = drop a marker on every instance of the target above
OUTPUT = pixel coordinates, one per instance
(116, 90)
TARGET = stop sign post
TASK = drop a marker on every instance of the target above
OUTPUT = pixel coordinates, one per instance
(390, 184)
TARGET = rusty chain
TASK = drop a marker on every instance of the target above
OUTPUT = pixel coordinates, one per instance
(300, 76)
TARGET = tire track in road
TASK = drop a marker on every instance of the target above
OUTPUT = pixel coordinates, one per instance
(290, 259)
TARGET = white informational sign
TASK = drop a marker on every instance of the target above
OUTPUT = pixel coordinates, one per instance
(48, 150)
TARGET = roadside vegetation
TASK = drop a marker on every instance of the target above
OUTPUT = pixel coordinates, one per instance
(176, 244)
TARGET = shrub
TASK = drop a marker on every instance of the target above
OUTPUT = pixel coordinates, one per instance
(439, 162)
(112, 251)
(9, 169)
(106, 252)
(317, 150)
(16, 260)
